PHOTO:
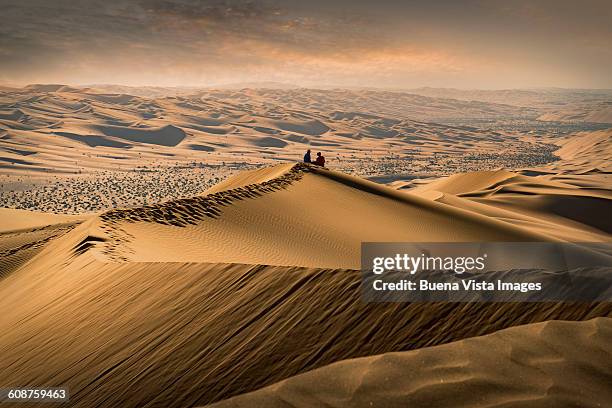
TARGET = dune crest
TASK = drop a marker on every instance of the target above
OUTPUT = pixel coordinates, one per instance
(589, 150)
(292, 215)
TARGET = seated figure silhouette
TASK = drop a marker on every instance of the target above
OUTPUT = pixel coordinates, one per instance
(320, 161)
(307, 157)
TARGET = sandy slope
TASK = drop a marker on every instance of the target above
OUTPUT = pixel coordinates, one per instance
(12, 219)
(24, 233)
(586, 152)
(598, 113)
(537, 365)
(18, 247)
(572, 208)
(569, 199)
(125, 312)
(178, 334)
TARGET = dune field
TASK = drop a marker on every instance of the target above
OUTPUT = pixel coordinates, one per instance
(170, 250)
(73, 150)
(59, 129)
(554, 104)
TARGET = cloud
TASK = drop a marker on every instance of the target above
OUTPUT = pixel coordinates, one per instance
(386, 43)
(214, 11)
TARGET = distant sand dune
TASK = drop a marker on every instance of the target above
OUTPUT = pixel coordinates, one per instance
(269, 142)
(601, 113)
(94, 140)
(591, 150)
(255, 125)
(551, 203)
(568, 199)
(50, 88)
(464, 183)
(309, 127)
(529, 213)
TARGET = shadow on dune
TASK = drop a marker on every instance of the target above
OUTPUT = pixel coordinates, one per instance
(163, 136)
(537, 365)
(180, 335)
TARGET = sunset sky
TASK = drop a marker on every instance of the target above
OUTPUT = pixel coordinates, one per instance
(382, 43)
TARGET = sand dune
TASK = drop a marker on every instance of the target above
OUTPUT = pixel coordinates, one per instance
(569, 199)
(201, 287)
(163, 136)
(538, 365)
(103, 140)
(130, 308)
(50, 88)
(182, 334)
(292, 215)
(570, 105)
(463, 183)
(98, 129)
(24, 233)
(587, 152)
(601, 113)
(545, 203)
(14, 220)
(551, 215)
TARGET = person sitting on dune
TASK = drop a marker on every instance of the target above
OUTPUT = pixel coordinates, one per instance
(307, 157)
(320, 161)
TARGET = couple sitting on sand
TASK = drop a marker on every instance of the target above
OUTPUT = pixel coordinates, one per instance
(320, 161)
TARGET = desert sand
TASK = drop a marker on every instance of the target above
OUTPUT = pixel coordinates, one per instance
(181, 334)
(167, 250)
(64, 130)
(54, 138)
(24, 233)
(537, 365)
(554, 104)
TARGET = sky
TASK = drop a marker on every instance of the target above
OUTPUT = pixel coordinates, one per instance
(477, 44)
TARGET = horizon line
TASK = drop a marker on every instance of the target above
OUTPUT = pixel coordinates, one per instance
(286, 85)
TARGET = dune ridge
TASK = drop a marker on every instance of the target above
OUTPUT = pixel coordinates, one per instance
(18, 247)
(294, 215)
(586, 152)
(180, 213)
(568, 199)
